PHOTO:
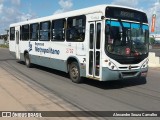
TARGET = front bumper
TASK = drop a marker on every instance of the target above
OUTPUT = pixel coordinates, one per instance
(109, 75)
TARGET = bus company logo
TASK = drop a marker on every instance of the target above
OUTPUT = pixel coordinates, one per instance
(30, 47)
(47, 50)
(130, 67)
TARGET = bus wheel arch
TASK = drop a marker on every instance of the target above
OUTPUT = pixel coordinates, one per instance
(27, 59)
(74, 70)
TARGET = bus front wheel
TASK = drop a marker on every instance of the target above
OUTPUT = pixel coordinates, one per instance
(27, 60)
(74, 72)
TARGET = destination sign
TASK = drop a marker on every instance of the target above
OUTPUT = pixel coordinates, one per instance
(126, 14)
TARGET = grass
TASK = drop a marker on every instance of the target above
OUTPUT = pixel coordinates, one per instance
(4, 46)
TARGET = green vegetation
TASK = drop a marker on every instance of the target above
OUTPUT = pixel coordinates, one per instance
(151, 40)
(4, 46)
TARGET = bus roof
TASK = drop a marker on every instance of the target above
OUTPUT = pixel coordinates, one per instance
(89, 10)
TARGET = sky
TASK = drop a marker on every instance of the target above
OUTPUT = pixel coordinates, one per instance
(12, 11)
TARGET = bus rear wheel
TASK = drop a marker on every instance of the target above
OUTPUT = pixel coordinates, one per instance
(27, 60)
(74, 72)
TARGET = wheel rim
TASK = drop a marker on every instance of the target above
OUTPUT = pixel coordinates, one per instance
(27, 60)
(74, 72)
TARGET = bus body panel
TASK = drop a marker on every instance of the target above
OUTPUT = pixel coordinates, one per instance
(55, 55)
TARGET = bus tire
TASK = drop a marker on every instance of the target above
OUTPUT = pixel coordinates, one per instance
(74, 72)
(27, 60)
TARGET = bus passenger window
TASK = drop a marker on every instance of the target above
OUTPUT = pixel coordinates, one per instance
(76, 28)
(98, 41)
(34, 28)
(12, 33)
(58, 30)
(25, 32)
(91, 36)
(44, 31)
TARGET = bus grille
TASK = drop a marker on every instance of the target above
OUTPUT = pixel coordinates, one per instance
(132, 67)
(125, 74)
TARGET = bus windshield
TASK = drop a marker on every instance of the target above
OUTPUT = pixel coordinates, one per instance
(126, 38)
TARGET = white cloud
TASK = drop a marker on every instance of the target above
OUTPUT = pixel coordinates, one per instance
(1, 8)
(129, 3)
(13, 14)
(65, 5)
(24, 17)
(1, 1)
(16, 2)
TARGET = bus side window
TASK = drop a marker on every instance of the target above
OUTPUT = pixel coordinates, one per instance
(76, 28)
(34, 28)
(58, 30)
(44, 31)
(12, 33)
(25, 32)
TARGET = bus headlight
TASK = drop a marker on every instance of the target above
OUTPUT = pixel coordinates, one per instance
(144, 65)
(112, 66)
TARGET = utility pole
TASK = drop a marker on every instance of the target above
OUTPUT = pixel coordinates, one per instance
(7, 33)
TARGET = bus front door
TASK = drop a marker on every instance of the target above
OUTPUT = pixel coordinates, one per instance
(93, 61)
(17, 45)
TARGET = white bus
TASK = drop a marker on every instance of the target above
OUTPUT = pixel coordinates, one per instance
(104, 42)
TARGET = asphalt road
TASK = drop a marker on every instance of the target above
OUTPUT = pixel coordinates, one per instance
(127, 95)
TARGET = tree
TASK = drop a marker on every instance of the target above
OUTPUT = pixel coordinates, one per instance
(151, 40)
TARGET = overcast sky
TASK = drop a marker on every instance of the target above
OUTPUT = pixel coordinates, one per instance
(12, 11)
